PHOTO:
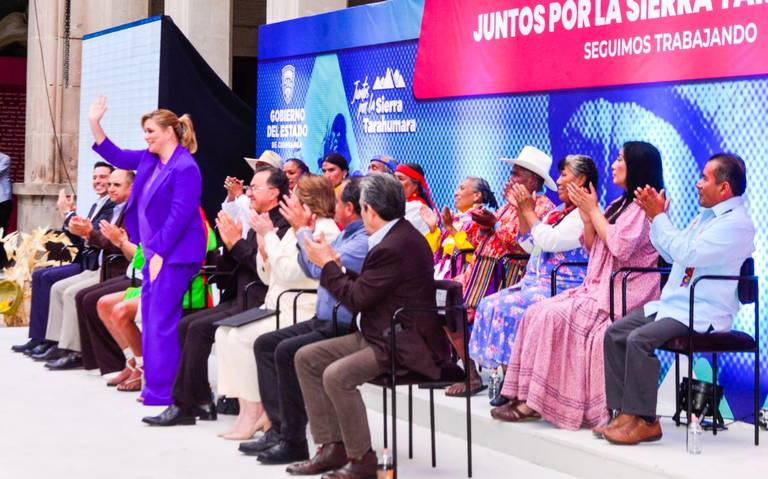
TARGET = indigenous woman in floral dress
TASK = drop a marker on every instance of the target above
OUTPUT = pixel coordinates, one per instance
(556, 369)
(550, 242)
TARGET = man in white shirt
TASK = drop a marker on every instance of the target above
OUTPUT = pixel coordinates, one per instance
(237, 204)
(717, 241)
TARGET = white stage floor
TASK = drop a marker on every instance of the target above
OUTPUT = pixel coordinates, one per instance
(68, 424)
(731, 453)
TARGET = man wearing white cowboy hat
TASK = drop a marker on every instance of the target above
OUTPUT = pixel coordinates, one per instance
(237, 204)
(268, 157)
(496, 236)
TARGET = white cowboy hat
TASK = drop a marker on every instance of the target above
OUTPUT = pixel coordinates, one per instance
(268, 157)
(536, 161)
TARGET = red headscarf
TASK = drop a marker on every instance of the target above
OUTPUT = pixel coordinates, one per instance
(419, 178)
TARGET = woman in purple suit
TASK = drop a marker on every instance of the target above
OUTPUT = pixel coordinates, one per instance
(163, 215)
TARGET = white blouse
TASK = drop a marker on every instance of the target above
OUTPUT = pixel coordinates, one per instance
(281, 271)
(554, 239)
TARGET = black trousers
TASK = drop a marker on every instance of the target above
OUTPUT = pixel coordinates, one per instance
(631, 365)
(99, 348)
(278, 382)
(196, 337)
(5, 215)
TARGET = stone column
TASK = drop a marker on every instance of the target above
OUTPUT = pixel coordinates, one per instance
(281, 10)
(53, 98)
(208, 25)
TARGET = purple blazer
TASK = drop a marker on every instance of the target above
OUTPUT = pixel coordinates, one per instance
(172, 215)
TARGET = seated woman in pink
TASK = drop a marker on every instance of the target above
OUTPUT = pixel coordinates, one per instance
(556, 369)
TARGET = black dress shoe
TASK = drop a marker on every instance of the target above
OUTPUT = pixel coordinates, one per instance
(206, 412)
(28, 346)
(253, 448)
(68, 361)
(172, 416)
(42, 347)
(285, 452)
(52, 352)
(499, 401)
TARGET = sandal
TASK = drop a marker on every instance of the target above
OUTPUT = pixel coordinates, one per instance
(130, 367)
(133, 383)
(459, 389)
(511, 412)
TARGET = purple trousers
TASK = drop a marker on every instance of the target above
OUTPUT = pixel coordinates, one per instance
(161, 302)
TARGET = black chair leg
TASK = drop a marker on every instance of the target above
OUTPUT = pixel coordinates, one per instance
(688, 404)
(410, 421)
(715, 404)
(384, 401)
(469, 436)
(678, 408)
(432, 424)
(757, 397)
(394, 430)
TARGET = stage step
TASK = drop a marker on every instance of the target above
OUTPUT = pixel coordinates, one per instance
(729, 454)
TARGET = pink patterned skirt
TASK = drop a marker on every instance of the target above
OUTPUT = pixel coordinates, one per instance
(557, 361)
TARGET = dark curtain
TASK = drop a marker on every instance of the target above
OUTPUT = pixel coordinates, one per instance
(225, 125)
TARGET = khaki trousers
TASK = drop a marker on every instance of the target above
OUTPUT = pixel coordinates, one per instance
(62, 313)
(329, 373)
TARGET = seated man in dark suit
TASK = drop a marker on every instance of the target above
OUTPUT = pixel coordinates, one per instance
(43, 279)
(286, 441)
(192, 394)
(397, 272)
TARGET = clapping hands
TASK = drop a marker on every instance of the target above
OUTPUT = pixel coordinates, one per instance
(261, 223)
(652, 202)
(296, 213)
(523, 197)
(80, 226)
(117, 236)
(230, 231)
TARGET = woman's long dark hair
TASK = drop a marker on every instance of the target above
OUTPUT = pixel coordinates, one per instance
(643, 163)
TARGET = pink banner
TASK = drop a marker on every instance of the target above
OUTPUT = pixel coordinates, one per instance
(474, 47)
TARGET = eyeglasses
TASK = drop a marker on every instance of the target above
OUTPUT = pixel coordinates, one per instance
(250, 189)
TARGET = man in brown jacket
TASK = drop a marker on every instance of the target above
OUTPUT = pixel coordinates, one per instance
(397, 272)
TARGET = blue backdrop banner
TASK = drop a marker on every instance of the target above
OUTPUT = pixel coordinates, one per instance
(359, 101)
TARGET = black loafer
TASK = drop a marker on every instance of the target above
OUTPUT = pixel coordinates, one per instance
(172, 416)
(68, 361)
(206, 412)
(42, 347)
(48, 354)
(28, 346)
(285, 452)
(253, 448)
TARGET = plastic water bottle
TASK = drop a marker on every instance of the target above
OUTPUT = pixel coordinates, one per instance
(695, 434)
(494, 387)
(385, 469)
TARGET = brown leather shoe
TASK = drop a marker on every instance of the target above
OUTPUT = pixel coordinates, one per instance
(328, 457)
(616, 422)
(634, 432)
(363, 468)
